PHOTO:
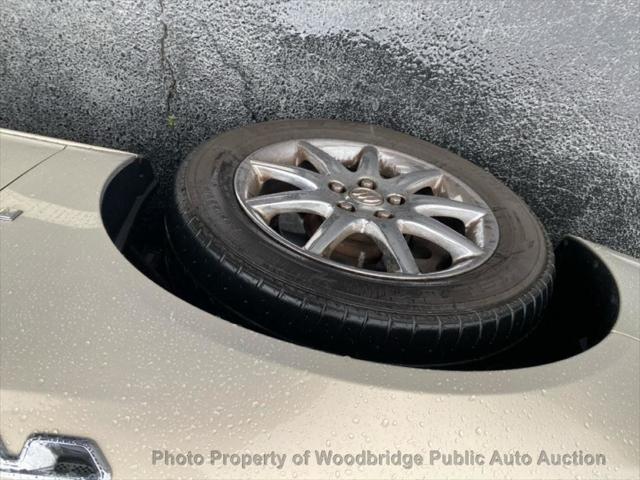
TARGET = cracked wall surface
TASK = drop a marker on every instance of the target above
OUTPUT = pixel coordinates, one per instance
(543, 94)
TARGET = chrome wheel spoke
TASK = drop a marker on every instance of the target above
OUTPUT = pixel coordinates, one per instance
(296, 176)
(333, 230)
(369, 164)
(458, 246)
(395, 250)
(445, 207)
(321, 160)
(413, 181)
(296, 201)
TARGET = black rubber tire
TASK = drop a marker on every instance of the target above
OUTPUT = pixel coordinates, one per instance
(268, 285)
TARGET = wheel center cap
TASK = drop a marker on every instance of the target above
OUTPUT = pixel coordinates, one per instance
(366, 196)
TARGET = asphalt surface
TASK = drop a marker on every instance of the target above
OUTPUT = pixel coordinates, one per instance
(543, 94)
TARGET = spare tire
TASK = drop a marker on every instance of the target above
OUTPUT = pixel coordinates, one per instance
(359, 240)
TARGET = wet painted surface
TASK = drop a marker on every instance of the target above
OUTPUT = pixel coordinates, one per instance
(542, 94)
(136, 369)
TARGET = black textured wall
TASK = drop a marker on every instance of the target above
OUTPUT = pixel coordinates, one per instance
(544, 94)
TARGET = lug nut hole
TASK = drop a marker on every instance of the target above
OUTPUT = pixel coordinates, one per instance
(348, 206)
(337, 187)
(383, 214)
(367, 183)
(395, 199)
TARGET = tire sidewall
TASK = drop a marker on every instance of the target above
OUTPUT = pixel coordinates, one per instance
(205, 190)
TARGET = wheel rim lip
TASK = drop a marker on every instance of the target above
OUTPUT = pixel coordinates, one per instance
(490, 228)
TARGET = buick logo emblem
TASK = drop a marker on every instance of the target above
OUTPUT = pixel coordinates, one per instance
(366, 196)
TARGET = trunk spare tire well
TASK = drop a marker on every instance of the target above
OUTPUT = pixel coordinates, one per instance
(288, 294)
